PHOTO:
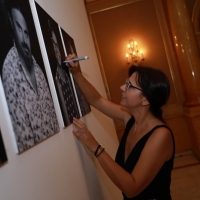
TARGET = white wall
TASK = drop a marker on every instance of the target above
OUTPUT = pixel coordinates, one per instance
(59, 168)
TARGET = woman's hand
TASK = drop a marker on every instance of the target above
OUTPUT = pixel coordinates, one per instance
(84, 135)
(73, 66)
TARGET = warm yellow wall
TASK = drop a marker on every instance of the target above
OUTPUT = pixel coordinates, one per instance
(113, 25)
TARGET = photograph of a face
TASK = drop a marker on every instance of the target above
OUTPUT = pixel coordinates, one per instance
(70, 48)
(23, 76)
(60, 73)
(3, 156)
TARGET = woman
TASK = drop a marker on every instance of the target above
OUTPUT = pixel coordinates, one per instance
(142, 169)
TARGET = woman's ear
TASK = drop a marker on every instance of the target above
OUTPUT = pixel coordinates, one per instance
(145, 102)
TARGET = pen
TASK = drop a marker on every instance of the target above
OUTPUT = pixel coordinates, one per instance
(76, 59)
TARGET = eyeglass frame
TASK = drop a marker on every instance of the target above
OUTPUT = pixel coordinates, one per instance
(128, 85)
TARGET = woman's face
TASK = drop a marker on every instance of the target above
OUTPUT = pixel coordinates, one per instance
(131, 92)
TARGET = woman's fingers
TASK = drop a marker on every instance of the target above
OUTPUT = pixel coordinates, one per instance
(79, 124)
(80, 127)
(70, 56)
(71, 64)
(83, 134)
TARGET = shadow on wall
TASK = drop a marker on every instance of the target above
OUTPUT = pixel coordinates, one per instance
(92, 181)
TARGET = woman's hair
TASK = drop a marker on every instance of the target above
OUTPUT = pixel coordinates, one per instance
(155, 87)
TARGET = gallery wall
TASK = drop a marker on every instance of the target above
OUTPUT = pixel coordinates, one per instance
(59, 167)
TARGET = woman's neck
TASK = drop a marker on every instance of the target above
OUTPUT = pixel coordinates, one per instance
(143, 120)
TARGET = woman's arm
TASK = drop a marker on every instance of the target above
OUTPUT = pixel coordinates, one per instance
(93, 97)
(157, 151)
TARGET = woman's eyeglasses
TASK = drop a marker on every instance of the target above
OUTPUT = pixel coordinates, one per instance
(129, 85)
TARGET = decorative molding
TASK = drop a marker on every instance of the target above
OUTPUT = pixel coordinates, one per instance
(198, 38)
(196, 16)
(100, 6)
(196, 20)
(99, 58)
(167, 43)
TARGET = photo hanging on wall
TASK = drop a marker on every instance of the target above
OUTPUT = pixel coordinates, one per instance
(58, 44)
(3, 156)
(61, 75)
(24, 78)
(68, 43)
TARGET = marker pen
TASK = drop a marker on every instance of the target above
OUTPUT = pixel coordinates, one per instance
(76, 59)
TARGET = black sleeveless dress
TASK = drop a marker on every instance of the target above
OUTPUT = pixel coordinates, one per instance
(159, 188)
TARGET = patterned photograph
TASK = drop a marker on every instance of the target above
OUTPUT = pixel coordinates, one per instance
(3, 156)
(60, 73)
(23, 75)
(70, 48)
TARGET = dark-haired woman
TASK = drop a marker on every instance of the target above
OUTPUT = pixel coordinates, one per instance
(144, 160)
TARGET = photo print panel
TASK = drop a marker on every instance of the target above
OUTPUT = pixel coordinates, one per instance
(3, 156)
(70, 48)
(24, 78)
(60, 73)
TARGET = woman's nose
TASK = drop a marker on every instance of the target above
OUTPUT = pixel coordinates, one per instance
(123, 87)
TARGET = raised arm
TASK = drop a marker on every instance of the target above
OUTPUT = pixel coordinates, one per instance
(93, 97)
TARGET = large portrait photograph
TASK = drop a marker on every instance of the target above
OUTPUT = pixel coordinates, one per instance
(24, 78)
(70, 49)
(61, 76)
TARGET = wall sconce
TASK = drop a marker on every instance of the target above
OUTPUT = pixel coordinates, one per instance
(134, 55)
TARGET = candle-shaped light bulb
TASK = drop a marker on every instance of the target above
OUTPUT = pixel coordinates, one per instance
(135, 43)
(127, 55)
(131, 43)
(128, 45)
(141, 51)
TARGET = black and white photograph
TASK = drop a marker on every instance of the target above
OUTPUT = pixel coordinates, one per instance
(3, 156)
(60, 73)
(70, 48)
(24, 79)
